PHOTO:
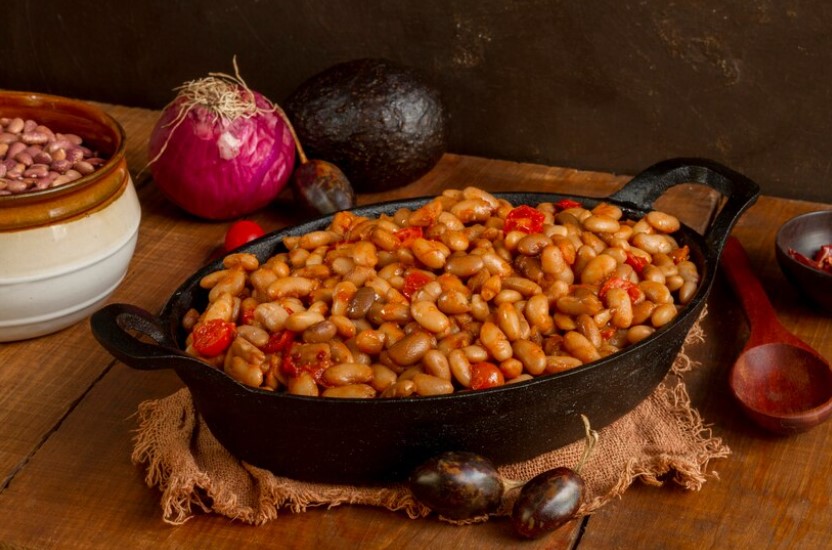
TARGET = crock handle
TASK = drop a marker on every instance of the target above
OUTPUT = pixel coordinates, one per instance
(645, 188)
(116, 327)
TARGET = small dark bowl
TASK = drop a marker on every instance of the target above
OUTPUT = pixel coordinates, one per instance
(784, 389)
(806, 234)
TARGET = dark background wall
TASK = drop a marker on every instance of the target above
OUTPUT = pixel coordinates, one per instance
(595, 84)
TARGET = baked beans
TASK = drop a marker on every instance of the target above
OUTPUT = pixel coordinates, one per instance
(415, 303)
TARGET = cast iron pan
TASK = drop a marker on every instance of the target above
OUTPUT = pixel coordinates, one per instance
(365, 441)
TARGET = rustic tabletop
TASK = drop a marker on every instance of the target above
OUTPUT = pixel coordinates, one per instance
(67, 409)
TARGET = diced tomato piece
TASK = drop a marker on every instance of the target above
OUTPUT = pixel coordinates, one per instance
(680, 254)
(413, 282)
(617, 282)
(213, 337)
(636, 262)
(566, 204)
(486, 375)
(524, 218)
(406, 235)
(280, 341)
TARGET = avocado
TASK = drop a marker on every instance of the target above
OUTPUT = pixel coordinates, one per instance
(381, 123)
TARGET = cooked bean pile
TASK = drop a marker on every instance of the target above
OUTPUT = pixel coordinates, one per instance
(34, 157)
(465, 292)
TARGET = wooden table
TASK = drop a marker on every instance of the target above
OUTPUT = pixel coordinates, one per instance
(66, 412)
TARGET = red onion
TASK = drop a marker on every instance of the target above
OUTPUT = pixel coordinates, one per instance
(220, 150)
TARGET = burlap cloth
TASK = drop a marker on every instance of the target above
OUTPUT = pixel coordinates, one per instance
(663, 439)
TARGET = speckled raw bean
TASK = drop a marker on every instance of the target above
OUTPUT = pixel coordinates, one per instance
(579, 346)
(637, 333)
(531, 355)
(663, 222)
(351, 391)
(663, 314)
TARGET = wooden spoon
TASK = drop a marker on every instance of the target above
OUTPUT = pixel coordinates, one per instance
(781, 382)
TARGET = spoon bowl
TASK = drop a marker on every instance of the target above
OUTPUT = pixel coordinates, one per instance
(782, 383)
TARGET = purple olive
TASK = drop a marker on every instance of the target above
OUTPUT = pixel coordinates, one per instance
(322, 187)
(457, 485)
(547, 501)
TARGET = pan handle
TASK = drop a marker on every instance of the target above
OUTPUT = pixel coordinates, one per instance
(114, 326)
(741, 192)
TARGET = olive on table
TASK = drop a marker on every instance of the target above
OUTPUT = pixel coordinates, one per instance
(458, 485)
(322, 187)
(547, 501)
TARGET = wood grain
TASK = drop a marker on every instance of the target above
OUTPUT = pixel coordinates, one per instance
(66, 410)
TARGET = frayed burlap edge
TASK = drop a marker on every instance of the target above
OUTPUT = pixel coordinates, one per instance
(196, 474)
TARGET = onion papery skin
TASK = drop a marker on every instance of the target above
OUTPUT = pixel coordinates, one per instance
(221, 182)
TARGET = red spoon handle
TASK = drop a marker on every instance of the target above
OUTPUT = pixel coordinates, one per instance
(765, 327)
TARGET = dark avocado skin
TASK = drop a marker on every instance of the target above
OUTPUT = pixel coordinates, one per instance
(379, 122)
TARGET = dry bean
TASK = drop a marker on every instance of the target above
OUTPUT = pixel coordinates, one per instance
(360, 302)
(663, 222)
(256, 335)
(403, 388)
(320, 332)
(383, 377)
(430, 317)
(464, 266)
(637, 333)
(302, 320)
(245, 373)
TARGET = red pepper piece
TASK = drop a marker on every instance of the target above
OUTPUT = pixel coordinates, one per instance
(486, 375)
(413, 282)
(566, 204)
(280, 342)
(633, 291)
(213, 337)
(524, 218)
(636, 262)
(406, 235)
